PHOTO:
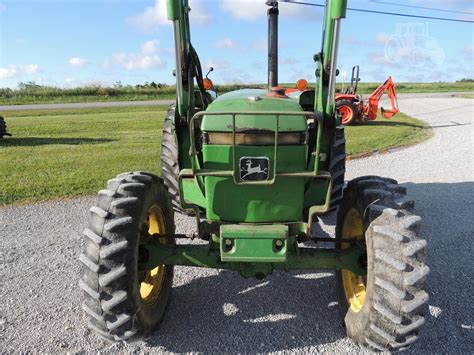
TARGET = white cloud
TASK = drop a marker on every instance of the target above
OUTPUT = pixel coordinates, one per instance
(300, 12)
(245, 9)
(220, 65)
(199, 14)
(352, 41)
(78, 62)
(380, 58)
(31, 69)
(132, 61)
(150, 47)
(155, 16)
(14, 71)
(10, 72)
(147, 58)
(151, 18)
(469, 51)
(254, 9)
(229, 73)
(382, 38)
(227, 43)
(413, 50)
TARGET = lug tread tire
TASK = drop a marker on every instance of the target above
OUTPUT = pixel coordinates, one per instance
(394, 306)
(337, 166)
(353, 107)
(109, 278)
(170, 162)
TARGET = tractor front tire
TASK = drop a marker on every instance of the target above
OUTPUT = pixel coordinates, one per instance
(348, 110)
(122, 303)
(170, 163)
(337, 166)
(383, 310)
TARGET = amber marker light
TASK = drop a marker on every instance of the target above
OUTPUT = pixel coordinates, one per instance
(302, 84)
(207, 84)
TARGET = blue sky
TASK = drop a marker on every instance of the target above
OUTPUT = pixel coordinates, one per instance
(71, 43)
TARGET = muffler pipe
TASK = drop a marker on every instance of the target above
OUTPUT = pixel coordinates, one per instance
(272, 43)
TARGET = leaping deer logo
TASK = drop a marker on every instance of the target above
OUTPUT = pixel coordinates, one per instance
(253, 170)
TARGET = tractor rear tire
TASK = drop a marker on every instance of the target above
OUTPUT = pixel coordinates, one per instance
(348, 110)
(384, 310)
(169, 162)
(3, 128)
(337, 166)
(123, 304)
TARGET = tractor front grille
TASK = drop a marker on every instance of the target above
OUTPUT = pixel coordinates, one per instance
(255, 138)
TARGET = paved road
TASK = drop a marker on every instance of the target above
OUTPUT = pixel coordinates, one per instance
(85, 105)
(214, 311)
(167, 102)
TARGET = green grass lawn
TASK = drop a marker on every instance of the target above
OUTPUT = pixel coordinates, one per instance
(383, 134)
(62, 153)
(367, 88)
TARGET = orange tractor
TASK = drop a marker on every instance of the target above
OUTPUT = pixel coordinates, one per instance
(352, 107)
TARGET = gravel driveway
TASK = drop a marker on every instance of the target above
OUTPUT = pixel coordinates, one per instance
(215, 311)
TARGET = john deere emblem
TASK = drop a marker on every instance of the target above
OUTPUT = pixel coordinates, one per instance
(254, 168)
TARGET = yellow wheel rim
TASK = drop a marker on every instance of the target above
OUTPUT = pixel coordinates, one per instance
(150, 288)
(354, 286)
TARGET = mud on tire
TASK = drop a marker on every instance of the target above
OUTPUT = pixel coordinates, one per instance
(395, 297)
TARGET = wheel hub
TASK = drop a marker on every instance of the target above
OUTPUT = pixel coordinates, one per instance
(152, 280)
(354, 286)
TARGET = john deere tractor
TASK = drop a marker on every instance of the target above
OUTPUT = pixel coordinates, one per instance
(255, 168)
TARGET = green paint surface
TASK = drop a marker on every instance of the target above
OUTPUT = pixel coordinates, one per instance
(252, 243)
(281, 201)
(243, 101)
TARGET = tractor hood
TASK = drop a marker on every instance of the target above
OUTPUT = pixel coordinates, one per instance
(247, 101)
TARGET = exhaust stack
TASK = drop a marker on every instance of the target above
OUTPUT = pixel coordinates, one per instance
(272, 43)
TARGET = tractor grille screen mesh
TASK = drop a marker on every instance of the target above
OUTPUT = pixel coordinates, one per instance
(255, 138)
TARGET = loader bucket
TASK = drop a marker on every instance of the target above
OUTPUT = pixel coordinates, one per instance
(388, 113)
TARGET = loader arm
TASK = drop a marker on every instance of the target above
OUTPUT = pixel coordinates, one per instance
(324, 101)
(188, 67)
(389, 87)
(335, 10)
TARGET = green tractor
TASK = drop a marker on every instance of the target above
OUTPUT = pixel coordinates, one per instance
(255, 168)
